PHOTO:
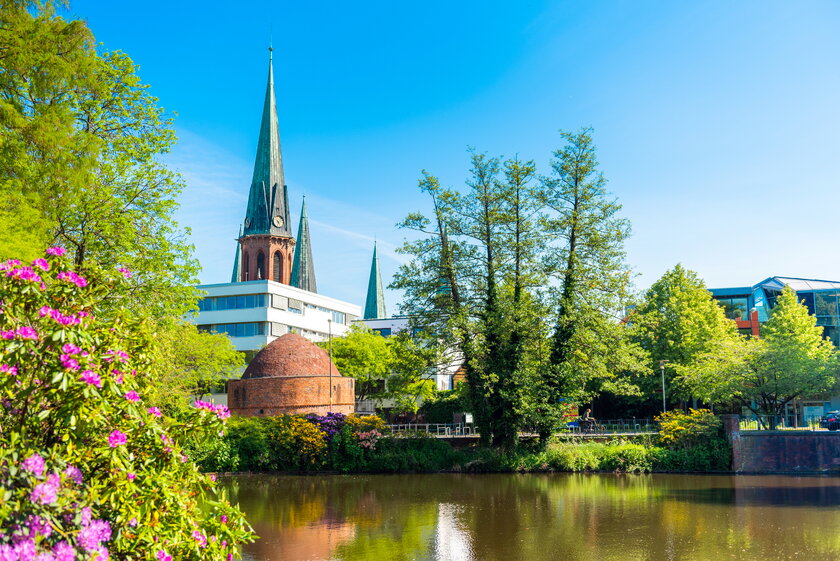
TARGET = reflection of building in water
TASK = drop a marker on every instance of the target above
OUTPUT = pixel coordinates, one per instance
(301, 543)
(452, 540)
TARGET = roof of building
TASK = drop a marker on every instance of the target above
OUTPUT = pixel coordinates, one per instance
(303, 267)
(375, 301)
(268, 199)
(290, 355)
(799, 284)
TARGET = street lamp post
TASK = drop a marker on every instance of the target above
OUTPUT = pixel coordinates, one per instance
(329, 346)
(662, 372)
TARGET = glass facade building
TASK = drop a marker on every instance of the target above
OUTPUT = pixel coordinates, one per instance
(821, 297)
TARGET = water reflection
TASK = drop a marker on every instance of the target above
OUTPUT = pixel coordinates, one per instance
(535, 517)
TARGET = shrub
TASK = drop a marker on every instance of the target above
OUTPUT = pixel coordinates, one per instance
(680, 429)
(694, 441)
(440, 407)
(365, 423)
(295, 443)
(87, 470)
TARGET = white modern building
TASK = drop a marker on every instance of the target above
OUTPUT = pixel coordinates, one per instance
(254, 313)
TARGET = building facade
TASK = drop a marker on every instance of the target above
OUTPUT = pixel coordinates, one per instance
(750, 306)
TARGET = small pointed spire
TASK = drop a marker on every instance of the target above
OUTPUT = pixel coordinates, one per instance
(236, 275)
(375, 302)
(303, 267)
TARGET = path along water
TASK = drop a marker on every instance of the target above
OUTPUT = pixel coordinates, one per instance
(536, 517)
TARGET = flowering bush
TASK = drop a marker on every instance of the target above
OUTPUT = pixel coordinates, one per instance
(295, 443)
(685, 430)
(330, 424)
(369, 439)
(87, 470)
(364, 423)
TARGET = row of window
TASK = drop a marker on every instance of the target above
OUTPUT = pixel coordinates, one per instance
(254, 329)
(734, 308)
(232, 302)
(292, 305)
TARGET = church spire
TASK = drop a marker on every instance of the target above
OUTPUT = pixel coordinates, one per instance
(375, 302)
(268, 200)
(236, 275)
(303, 268)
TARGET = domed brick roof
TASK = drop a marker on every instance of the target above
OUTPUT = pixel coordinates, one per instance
(290, 355)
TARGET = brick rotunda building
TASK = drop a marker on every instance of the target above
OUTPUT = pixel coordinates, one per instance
(291, 375)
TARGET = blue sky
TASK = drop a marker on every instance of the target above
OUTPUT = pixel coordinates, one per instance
(717, 122)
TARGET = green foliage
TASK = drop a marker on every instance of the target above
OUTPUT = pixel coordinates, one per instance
(79, 160)
(590, 350)
(679, 429)
(678, 321)
(791, 360)
(294, 443)
(442, 405)
(483, 280)
(194, 363)
(384, 367)
(72, 387)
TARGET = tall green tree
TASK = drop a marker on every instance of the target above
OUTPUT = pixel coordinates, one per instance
(676, 322)
(80, 142)
(590, 348)
(792, 360)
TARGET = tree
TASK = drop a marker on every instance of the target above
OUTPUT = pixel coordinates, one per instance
(677, 321)
(195, 362)
(81, 138)
(791, 361)
(590, 348)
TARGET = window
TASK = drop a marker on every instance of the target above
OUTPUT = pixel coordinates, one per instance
(338, 317)
(384, 331)
(825, 303)
(232, 302)
(279, 302)
(260, 266)
(240, 329)
(278, 267)
(246, 264)
(734, 308)
(278, 329)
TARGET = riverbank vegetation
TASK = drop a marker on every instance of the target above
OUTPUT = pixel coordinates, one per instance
(361, 444)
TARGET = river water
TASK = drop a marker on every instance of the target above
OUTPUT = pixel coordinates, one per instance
(536, 517)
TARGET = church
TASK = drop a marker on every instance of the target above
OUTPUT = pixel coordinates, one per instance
(272, 289)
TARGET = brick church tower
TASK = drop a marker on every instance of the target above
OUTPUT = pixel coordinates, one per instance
(266, 245)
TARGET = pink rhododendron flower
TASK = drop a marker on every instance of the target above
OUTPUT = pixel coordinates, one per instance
(75, 474)
(122, 356)
(224, 519)
(46, 493)
(163, 556)
(199, 537)
(71, 349)
(58, 251)
(155, 411)
(116, 438)
(131, 476)
(24, 273)
(118, 377)
(26, 332)
(92, 378)
(34, 464)
(132, 396)
(63, 551)
(7, 334)
(41, 263)
(69, 363)
(126, 273)
(71, 276)
(9, 369)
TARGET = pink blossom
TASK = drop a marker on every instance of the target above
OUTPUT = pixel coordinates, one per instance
(71, 349)
(116, 438)
(74, 474)
(69, 363)
(42, 264)
(155, 411)
(126, 273)
(199, 537)
(133, 522)
(57, 251)
(24, 273)
(7, 334)
(46, 493)
(224, 519)
(132, 396)
(163, 556)
(9, 369)
(34, 464)
(71, 276)
(63, 551)
(92, 378)
(118, 377)
(26, 332)
(122, 356)
(131, 476)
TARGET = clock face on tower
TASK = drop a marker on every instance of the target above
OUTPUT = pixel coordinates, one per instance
(278, 221)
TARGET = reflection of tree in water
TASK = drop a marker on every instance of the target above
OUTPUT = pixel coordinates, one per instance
(535, 517)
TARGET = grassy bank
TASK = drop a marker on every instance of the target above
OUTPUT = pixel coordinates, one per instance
(335, 443)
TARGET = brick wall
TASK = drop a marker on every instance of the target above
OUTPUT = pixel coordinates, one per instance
(291, 394)
(783, 451)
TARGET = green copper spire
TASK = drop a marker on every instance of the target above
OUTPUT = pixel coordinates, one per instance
(236, 275)
(268, 200)
(375, 302)
(303, 268)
